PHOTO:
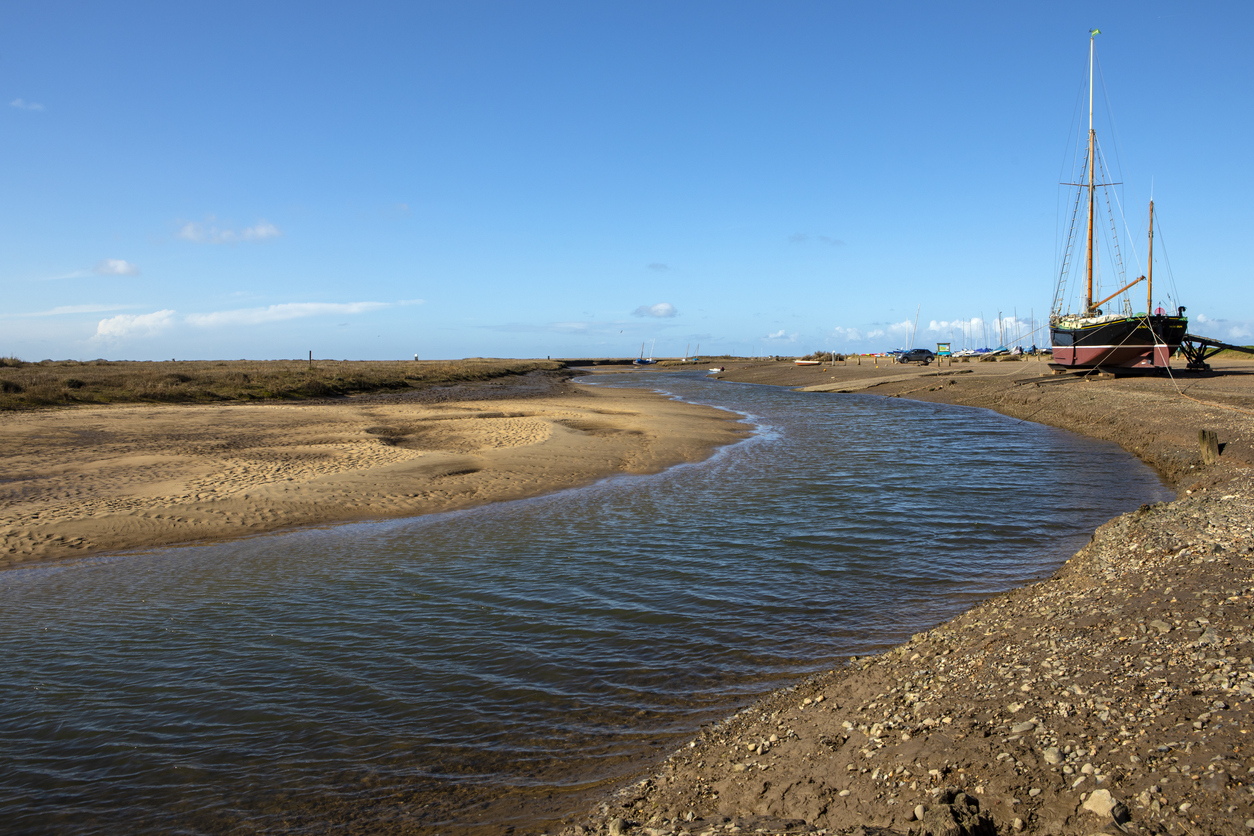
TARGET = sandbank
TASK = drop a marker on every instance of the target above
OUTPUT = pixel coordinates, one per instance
(86, 480)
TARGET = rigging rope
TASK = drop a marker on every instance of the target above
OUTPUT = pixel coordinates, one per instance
(1203, 403)
(1174, 294)
(1159, 341)
(1120, 271)
(1060, 291)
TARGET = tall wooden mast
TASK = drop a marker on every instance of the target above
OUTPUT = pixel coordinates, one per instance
(1088, 293)
(1149, 284)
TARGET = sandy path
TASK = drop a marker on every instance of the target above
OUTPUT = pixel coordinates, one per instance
(80, 481)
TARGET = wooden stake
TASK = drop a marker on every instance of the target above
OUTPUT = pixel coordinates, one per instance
(1208, 440)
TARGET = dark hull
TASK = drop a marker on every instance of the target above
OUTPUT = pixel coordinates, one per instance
(1132, 342)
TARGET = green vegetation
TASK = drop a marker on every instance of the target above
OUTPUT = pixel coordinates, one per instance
(1231, 355)
(63, 383)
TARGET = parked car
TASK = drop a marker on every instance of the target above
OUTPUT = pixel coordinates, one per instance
(916, 355)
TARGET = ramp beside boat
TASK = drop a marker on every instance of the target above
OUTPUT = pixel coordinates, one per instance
(858, 385)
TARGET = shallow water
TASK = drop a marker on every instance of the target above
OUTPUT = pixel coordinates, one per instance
(471, 671)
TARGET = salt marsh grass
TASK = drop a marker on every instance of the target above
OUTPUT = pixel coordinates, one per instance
(50, 383)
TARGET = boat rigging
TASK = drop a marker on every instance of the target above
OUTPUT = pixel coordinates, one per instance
(1091, 338)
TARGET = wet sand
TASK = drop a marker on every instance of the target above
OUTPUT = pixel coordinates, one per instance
(1115, 697)
(87, 480)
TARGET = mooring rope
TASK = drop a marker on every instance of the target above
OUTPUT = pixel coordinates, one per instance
(1179, 392)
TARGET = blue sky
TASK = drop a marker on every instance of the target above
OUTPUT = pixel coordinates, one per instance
(520, 179)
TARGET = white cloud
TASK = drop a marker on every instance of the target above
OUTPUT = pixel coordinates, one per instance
(67, 310)
(781, 334)
(77, 309)
(942, 325)
(209, 233)
(193, 231)
(278, 313)
(77, 274)
(662, 310)
(892, 329)
(1009, 328)
(107, 267)
(81, 309)
(580, 328)
(570, 327)
(260, 232)
(133, 325)
(895, 330)
(22, 104)
(115, 267)
(1236, 330)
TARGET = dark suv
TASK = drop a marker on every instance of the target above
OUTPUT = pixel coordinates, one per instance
(916, 355)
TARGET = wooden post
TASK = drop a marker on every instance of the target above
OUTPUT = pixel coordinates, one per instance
(1208, 440)
(311, 358)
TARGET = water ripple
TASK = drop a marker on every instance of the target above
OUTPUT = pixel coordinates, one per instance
(461, 672)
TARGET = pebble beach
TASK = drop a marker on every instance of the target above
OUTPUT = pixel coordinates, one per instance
(1112, 697)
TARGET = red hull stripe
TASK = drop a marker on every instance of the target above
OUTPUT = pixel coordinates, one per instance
(1125, 356)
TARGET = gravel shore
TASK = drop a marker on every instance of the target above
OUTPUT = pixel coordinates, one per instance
(1113, 697)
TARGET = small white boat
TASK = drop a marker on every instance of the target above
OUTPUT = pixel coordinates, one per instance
(808, 362)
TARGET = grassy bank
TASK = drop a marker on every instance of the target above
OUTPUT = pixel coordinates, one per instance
(63, 383)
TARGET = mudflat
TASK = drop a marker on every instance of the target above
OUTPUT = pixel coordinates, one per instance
(1116, 696)
(89, 479)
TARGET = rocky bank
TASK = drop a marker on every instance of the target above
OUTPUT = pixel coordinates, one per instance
(1113, 697)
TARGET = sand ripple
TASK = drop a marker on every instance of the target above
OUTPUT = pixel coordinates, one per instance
(108, 478)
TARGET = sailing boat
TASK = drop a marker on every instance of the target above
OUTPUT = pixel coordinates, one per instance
(642, 361)
(1092, 338)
